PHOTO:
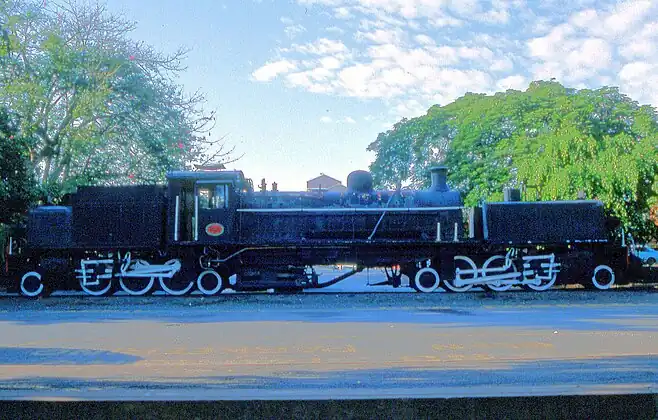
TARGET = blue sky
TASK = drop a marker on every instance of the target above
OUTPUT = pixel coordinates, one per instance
(304, 86)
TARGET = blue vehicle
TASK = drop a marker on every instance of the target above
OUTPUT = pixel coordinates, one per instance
(647, 254)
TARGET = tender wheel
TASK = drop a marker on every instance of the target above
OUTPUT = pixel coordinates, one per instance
(31, 285)
(468, 264)
(651, 261)
(426, 280)
(603, 277)
(179, 285)
(210, 283)
(498, 286)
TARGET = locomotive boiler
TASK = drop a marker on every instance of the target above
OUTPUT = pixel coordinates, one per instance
(208, 231)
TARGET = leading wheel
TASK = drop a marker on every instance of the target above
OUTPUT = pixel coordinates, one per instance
(426, 280)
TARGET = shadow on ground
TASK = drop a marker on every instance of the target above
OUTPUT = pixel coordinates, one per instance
(637, 373)
(625, 314)
(62, 356)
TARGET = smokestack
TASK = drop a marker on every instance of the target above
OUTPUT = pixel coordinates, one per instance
(439, 175)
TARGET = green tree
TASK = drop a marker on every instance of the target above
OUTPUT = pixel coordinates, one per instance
(17, 185)
(551, 140)
(100, 107)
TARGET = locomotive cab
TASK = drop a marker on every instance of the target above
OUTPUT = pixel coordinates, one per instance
(202, 206)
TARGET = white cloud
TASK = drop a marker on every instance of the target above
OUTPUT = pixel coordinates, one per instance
(343, 13)
(439, 13)
(322, 46)
(330, 62)
(594, 42)
(335, 29)
(411, 54)
(326, 120)
(383, 36)
(633, 72)
(642, 48)
(584, 19)
(503, 64)
(424, 40)
(411, 107)
(272, 69)
(625, 16)
(293, 30)
(516, 82)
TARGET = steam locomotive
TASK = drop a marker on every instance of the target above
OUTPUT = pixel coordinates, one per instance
(209, 231)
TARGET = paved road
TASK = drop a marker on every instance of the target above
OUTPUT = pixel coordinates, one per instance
(329, 346)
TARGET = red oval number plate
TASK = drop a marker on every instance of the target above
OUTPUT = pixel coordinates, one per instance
(214, 229)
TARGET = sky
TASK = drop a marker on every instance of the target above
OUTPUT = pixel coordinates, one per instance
(302, 87)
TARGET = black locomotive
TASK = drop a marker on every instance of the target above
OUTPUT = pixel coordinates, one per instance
(210, 230)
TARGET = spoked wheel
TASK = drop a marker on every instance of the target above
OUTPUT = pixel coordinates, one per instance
(603, 277)
(426, 280)
(137, 286)
(461, 263)
(210, 283)
(99, 286)
(182, 283)
(499, 285)
(31, 285)
(543, 286)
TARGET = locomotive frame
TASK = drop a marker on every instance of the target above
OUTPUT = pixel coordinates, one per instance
(202, 228)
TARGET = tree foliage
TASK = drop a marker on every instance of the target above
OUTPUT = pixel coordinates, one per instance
(97, 107)
(550, 140)
(17, 185)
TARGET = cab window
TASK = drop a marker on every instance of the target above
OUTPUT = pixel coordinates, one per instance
(212, 196)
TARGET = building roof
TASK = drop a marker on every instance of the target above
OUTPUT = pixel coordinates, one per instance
(324, 178)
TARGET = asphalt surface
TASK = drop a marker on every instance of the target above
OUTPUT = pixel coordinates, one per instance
(315, 346)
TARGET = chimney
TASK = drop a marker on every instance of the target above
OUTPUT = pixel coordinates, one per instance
(439, 175)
